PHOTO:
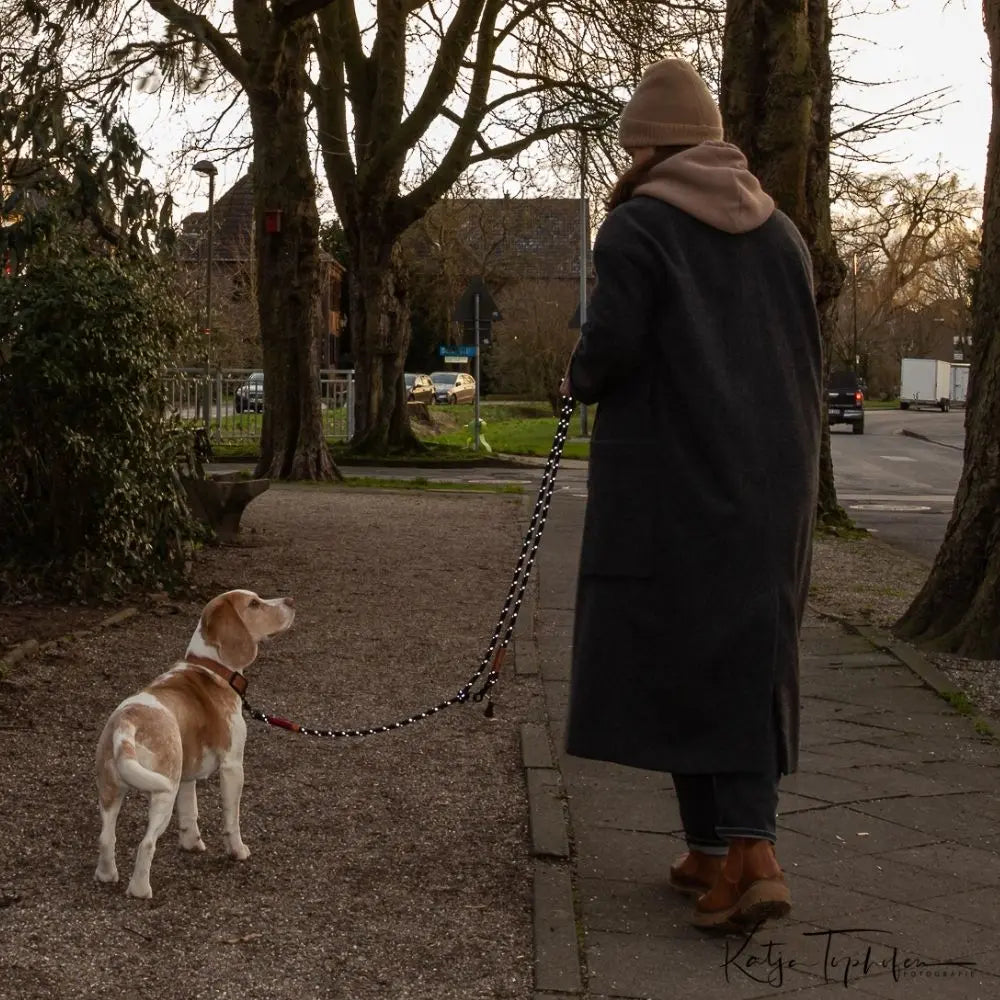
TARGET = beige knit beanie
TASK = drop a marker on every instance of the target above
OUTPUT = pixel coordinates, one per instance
(670, 107)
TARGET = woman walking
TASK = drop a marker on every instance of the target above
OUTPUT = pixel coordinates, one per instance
(702, 348)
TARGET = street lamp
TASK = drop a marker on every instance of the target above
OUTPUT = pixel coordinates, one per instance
(854, 363)
(208, 169)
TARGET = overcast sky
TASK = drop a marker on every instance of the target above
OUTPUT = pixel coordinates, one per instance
(919, 48)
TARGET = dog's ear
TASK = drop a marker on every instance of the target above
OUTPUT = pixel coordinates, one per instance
(222, 627)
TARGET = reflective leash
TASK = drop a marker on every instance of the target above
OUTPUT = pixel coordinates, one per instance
(497, 649)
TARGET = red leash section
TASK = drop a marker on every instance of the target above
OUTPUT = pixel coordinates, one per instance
(497, 649)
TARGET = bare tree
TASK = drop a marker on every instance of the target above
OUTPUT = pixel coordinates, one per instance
(958, 608)
(911, 242)
(490, 86)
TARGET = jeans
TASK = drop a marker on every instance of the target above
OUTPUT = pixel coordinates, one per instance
(715, 808)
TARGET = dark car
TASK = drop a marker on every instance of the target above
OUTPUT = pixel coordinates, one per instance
(250, 395)
(453, 387)
(419, 388)
(846, 399)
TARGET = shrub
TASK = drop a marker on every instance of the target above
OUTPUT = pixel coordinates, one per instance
(90, 503)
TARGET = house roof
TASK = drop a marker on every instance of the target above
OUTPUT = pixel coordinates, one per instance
(522, 238)
(234, 229)
(233, 237)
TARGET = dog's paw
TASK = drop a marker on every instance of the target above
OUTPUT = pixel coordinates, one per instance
(187, 844)
(103, 874)
(140, 890)
(239, 852)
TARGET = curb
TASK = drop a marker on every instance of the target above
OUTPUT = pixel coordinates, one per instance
(32, 647)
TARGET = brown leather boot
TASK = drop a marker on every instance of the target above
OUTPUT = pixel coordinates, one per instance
(695, 873)
(750, 889)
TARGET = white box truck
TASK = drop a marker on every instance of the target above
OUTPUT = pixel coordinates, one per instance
(925, 382)
(959, 382)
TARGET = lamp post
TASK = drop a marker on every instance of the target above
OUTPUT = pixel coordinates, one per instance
(584, 244)
(208, 169)
(854, 365)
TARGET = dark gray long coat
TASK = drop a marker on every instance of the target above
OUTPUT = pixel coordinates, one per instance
(702, 349)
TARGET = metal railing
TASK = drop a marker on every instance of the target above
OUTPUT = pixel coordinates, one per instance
(227, 405)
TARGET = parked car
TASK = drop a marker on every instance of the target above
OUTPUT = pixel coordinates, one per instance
(419, 388)
(846, 399)
(453, 387)
(250, 395)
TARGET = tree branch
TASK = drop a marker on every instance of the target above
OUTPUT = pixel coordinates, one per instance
(203, 30)
(440, 83)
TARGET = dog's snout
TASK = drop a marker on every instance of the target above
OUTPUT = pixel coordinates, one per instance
(290, 601)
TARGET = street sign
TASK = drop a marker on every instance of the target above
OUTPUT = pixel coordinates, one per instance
(454, 359)
(465, 311)
(462, 351)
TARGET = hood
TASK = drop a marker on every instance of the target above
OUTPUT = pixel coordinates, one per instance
(712, 182)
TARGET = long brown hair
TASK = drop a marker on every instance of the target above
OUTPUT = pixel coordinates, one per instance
(626, 184)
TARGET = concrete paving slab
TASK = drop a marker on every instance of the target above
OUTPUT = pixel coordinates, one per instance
(634, 908)
(872, 753)
(632, 965)
(892, 781)
(977, 906)
(625, 808)
(829, 788)
(933, 984)
(614, 775)
(959, 775)
(973, 866)
(624, 855)
(834, 643)
(795, 848)
(881, 876)
(535, 749)
(791, 802)
(919, 934)
(867, 657)
(972, 819)
(857, 830)
(556, 699)
(820, 903)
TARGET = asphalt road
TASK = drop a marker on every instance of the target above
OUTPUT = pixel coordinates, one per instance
(898, 479)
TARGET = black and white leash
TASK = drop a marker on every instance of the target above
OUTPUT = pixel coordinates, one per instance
(502, 634)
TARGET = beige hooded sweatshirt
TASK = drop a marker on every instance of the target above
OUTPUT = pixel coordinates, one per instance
(712, 182)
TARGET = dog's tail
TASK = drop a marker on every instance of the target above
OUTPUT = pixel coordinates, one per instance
(132, 772)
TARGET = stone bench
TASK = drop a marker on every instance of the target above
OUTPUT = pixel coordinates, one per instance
(219, 500)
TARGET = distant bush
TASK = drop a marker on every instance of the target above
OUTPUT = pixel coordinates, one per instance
(90, 504)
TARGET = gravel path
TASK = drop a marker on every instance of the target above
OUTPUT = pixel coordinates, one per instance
(395, 867)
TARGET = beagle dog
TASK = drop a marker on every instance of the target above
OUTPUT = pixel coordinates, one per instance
(185, 725)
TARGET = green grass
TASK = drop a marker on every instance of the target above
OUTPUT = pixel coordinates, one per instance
(525, 429)
(515, 428)
(959, 701)
(982, 728)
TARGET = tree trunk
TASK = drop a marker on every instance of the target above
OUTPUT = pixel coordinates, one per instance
(775, 101)
(380, 336)
(293, 445)
(958, 608)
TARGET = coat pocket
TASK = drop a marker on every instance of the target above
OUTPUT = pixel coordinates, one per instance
(618, 531)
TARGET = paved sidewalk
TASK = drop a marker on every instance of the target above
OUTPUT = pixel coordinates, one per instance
(889, 836)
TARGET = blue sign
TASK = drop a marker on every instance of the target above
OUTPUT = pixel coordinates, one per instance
(459, 351)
